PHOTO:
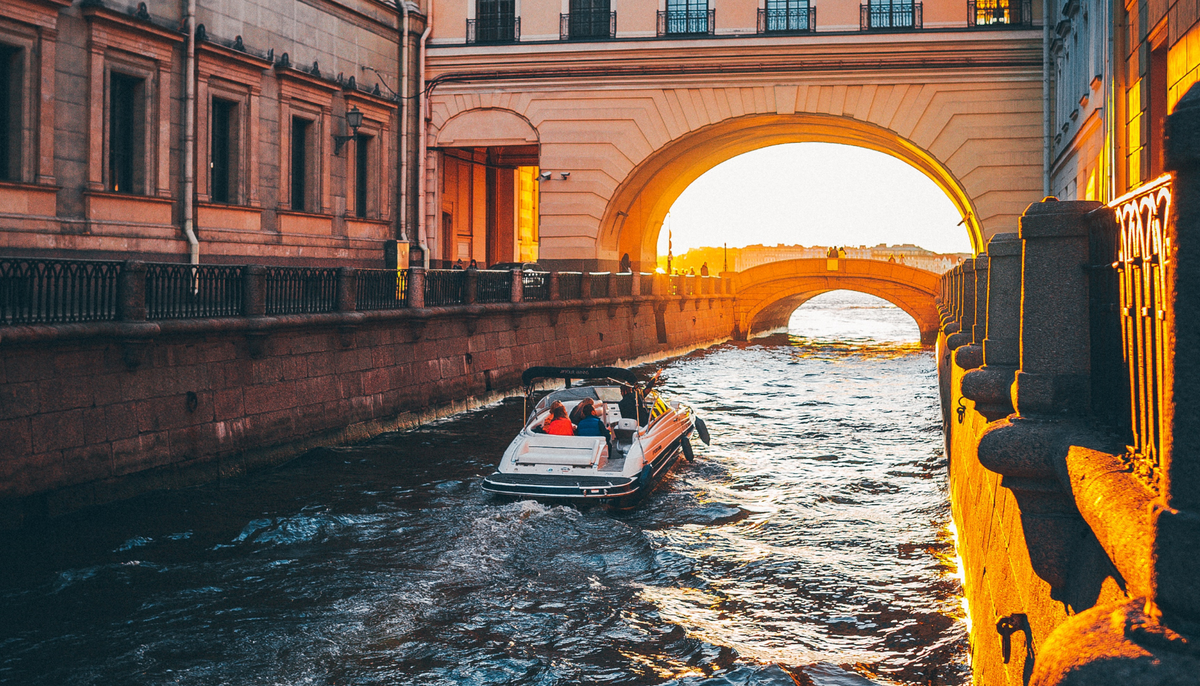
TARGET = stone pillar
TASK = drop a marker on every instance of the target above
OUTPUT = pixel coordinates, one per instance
(471, 291)
(416, 287)
(585, 286)
(991, 386)
(518, 286)
(1055, 321)
(657, 286)
(254, 290)
(612, 284)
(635, 281)
(555, 293)
(131, 292)
(347, 292)
(966, 306)
(970, 356)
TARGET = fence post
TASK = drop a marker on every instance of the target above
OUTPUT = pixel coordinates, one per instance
(970, 356)
(585, 286)
(656, 285)
(991, 385)
(518, 286)
(131, 292)
(554, 292)
(966, 306)
(416, 287)
(635, 284)
(612, 284)
(254, 287)
(471, 291)
(1178, 521)
(347, 292)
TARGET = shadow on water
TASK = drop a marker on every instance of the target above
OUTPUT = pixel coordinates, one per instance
(808, 545)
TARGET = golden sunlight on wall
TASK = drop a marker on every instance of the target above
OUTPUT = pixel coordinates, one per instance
(1183, 66)
(527, 213)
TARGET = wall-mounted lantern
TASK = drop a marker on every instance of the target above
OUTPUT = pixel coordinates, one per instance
(354, 119)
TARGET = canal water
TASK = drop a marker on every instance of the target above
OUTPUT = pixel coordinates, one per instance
(810, 544)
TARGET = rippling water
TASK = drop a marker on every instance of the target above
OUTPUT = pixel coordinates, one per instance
(808, 545)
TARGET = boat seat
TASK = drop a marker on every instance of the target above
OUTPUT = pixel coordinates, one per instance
(624, 430)
(576, 451)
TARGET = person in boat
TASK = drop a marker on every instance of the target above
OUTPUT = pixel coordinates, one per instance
(577, 412)
(631, 406)
(557, 423)
(590, 425)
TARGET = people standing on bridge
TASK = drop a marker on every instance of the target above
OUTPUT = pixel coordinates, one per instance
(557, 423)
(704, 269)
(625, 264)
(841, 253)
(473, 265)
(831, 253)
(692, 271)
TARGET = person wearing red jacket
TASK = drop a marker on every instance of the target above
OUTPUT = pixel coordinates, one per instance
(557, 423)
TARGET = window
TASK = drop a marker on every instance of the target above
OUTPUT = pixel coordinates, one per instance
(495, 22)
(126, 134)
(362, 149)
(891, 14)
(301, 132)
(10, 113)
(223, 151)
(991, 12)
(786, 15)
(590, 19)
(686, 17)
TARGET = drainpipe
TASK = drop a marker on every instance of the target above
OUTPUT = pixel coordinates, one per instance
(1046, 29)
(422, 151)
(189, 135)
(403, 207)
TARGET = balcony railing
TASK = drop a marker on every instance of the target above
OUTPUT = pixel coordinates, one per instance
(598, 281)
(686, 22)
(999, 13)
(535, 286)
(381, 289)
(790, 20)
(647, 283)
(570, 286)
(491, 30)
(890, 16)
(185, 291)
(52, 291)
(1143, 264)
(587, 25)
(445, 287)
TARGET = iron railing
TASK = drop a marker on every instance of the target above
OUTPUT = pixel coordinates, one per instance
(890, 15)
(599, 284)
(1143, 272)
(686, 22)
(570, 285)
(186, 291)
(789, 20)
(381, 289)
(300, 290)
(1110, 399)
(493, 286)
(501, 29)
(999, 13)
(48, 291)
(535, 286)
(624, 285)
(445, 287)
(647, 283)
(587, 24)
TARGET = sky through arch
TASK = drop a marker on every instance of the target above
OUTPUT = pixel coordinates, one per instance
(814, 194)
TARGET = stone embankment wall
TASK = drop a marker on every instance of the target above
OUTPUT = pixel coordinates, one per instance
(1068, 397)
(208, 399)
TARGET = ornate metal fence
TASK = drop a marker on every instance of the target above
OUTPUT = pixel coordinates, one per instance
(686, 22)
(1143, 272)
(647, 283)
(381, 289)
(890, 15)
(570, 286)
(494, 286)
(535, 286)
(48, 291)
(624, 285)
(787, 20)
(445, 287)
(300, 290)
(186, 291)
(584, 24)
(599, 284)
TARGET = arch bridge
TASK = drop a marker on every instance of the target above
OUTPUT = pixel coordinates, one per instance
(768, 294)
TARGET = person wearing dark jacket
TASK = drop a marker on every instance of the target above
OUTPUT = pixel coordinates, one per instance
(590, 425)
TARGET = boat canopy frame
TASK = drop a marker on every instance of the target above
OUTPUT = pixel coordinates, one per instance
(568, 373)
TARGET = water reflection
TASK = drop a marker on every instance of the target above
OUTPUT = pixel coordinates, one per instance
(808, 545)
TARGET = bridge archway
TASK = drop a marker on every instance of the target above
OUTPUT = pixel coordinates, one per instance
(634, 217)
(769, 293)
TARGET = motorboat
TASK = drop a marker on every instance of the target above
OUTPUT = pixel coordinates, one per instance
(646, 435)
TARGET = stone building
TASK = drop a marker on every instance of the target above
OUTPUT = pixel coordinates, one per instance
(138, 130)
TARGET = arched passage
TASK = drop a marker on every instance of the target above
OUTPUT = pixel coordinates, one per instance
(635, 214)
(767, 294)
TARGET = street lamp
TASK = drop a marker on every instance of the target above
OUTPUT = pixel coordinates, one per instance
(354, 119)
